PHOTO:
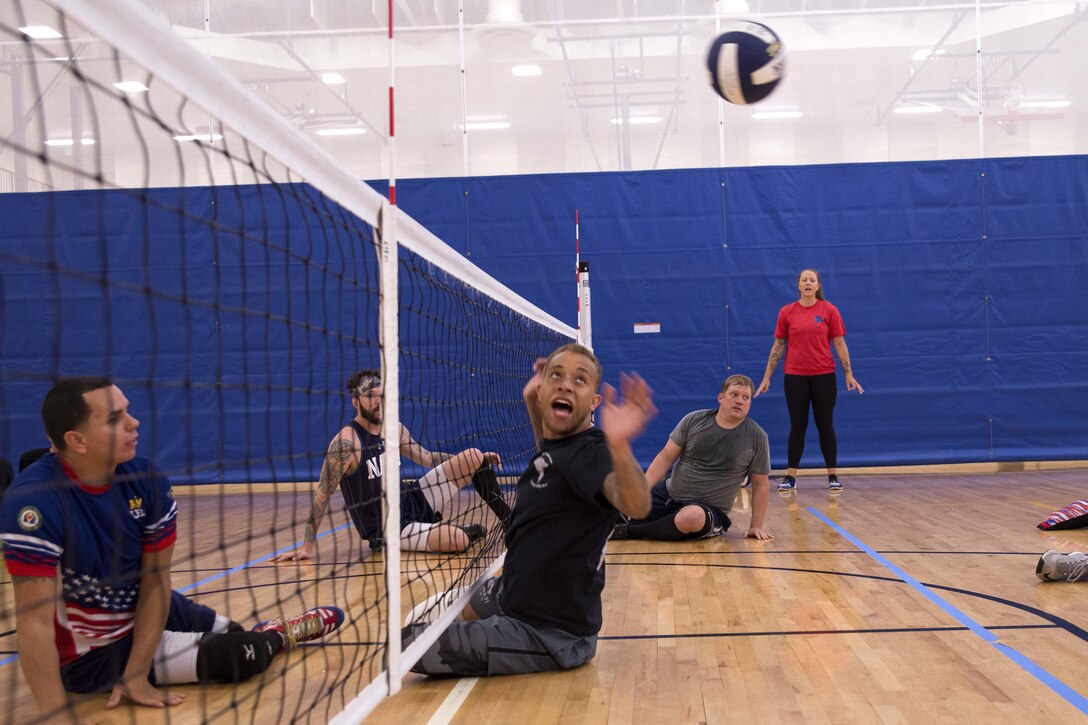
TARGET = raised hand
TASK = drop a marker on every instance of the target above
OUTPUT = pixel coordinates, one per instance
(531, 387)
(625, 416)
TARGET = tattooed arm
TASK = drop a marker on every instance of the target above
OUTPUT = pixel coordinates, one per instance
(844, 358)
(341, 459)
(414, 451)
(777, 349)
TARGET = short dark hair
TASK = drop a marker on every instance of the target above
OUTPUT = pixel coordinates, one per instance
(64, 408)
(361, 375)
(581, 350)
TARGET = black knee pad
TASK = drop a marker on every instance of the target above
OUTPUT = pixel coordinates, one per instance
(486, 484)
(235, 656)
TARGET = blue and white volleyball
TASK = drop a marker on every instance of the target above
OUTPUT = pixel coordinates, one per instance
(746, 63)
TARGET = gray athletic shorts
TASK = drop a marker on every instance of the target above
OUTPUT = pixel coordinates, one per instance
(499, 644)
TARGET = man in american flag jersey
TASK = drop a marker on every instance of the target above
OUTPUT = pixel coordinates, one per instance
(88, 536)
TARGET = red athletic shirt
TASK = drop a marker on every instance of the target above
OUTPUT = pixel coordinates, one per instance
(808, 332)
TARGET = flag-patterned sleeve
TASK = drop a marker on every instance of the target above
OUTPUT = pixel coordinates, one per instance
(30, 527)
(160, 527)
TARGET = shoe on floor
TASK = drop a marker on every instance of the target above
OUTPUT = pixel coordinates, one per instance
(834, 485)
(311, 624)
(474, 532)
(1055, 566)
(788, 483)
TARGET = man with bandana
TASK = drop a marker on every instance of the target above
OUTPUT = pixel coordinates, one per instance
(353, 462)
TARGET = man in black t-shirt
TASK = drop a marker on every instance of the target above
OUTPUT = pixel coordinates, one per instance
(544, 611)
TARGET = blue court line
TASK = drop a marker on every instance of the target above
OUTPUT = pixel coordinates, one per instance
(1067, 693)
(220, 575)
(248, 564)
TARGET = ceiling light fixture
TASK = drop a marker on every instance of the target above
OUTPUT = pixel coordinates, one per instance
(332, 79)
(639, 120)
(486, 125)
(914, 110)
(130, 87)
(923, 53)
(351, 131)
(68, 142)
(772, 115)
(525, 71)
(1045, 104)
(40, 32)
(199, 137)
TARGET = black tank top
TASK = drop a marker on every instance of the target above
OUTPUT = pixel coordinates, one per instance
(362, 491)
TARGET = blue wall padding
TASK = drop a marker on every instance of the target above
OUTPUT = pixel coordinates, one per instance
(961, 284)
(228, 363)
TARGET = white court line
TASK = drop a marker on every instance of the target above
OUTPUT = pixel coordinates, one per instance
(453, 701)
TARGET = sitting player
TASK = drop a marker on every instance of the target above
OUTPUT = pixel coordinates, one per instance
(715, 452)
(353, 461)
(94, 527)
(544, 611)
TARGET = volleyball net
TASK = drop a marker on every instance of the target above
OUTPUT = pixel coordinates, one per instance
(166, 228)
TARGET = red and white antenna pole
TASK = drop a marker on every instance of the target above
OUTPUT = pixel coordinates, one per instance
(577, 262)
(390, 344)
(392, 128)
(585, 327)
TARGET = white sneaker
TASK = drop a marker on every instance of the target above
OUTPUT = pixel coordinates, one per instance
(1055, 566)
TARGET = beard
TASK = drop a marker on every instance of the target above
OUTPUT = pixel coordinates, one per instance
(370, 416)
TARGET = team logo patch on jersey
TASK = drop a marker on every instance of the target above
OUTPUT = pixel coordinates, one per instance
(136, 507)
(30, 518)
(819, 319)
(540, 464)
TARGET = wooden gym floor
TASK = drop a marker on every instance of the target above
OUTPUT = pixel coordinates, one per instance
(908, 598)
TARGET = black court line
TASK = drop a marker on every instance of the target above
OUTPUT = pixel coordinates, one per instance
(654, 552)
(1065, 624)
(793, 632)
(752, 552)
(332, 564)
(380, 643)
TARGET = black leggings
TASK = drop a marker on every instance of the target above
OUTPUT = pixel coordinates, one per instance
(820, 391)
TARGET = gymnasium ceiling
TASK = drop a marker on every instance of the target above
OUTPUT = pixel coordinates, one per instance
(622, 84)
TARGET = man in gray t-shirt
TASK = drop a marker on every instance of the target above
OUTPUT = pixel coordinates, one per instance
(714, 451)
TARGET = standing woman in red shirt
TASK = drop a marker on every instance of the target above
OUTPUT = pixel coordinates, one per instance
(808, 325)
